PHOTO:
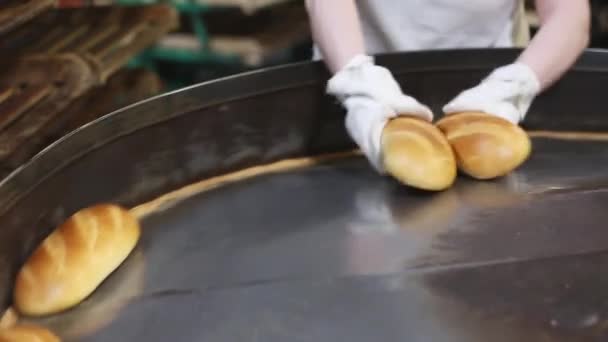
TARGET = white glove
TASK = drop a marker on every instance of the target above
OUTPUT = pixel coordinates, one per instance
(507, 92)
(371, 97)
(365, 120)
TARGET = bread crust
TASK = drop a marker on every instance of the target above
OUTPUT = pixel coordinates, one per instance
(485, 146)
(417, 154)
(75, 259)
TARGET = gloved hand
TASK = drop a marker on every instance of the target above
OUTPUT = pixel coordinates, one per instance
(371, 97)
(507, 92)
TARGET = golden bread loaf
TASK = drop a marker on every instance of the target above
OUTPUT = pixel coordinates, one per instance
(75, 259)
(27, 333)
(417, 154)
(485, 146)
(103, 306)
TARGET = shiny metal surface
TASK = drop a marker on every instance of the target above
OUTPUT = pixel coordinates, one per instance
(332, 252)
(336, 253)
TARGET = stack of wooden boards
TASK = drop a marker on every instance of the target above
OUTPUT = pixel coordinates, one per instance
(64, 67)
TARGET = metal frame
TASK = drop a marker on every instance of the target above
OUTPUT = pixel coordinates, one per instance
(171, 140)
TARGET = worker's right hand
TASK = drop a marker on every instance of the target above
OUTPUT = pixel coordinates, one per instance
(371, 97)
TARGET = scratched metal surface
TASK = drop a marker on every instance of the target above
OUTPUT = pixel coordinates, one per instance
(336, 253)
(332, 252)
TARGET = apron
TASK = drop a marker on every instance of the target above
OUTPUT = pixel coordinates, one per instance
(521, 26)
(413, 25)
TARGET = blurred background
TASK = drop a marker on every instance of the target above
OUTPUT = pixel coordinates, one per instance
(67, 62)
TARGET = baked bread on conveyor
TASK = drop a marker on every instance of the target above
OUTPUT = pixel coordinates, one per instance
(417, 154)
(485, 146)
(103, 306)
(75, 259)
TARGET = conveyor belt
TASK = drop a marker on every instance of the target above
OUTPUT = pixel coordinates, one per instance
(246, 238)
(334, 252)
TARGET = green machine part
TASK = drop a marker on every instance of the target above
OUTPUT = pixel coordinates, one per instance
(193, 11)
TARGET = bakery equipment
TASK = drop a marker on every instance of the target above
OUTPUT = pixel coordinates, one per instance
(283, 234)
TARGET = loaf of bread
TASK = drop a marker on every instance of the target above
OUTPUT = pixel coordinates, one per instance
(27, 333)
(75, 259)
(417, 154)
(485, 146)
(106, 304)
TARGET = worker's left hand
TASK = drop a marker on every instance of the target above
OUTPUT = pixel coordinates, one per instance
(507, 92)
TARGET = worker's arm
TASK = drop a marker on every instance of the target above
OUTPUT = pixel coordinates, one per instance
(336, 30)
(563, 35)
(509, 91)
(369, 92)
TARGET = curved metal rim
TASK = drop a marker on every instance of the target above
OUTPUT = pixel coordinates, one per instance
(238, 87)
